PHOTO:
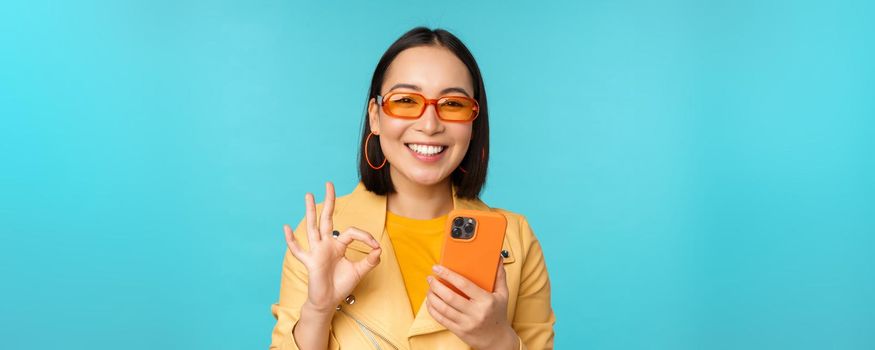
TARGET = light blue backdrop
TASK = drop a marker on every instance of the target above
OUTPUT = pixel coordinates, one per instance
(700, 174)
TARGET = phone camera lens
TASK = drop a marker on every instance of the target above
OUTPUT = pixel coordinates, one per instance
(457, 232)
(458, 221)
(469, 228)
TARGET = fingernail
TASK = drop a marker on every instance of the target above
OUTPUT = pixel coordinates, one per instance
(436, 268)
(429, 279)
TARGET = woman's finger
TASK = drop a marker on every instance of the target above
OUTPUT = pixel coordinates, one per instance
(369, 262)
(352, 233)
(312, 228)
(373, 259)
(326, 225)
(444, 309)
(447, 295)
(461, 283)
(294, 248)
(437, 315)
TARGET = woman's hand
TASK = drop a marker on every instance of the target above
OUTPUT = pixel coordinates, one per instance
(481, 321)
(331, 276)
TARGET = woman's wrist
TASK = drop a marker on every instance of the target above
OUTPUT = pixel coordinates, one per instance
(311, 330)
(316, 314)
(510, 341)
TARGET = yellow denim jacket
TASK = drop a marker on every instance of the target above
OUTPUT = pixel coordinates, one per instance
(376, 314)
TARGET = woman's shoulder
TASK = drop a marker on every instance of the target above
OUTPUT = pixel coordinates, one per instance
(511, 216)
(518, 226)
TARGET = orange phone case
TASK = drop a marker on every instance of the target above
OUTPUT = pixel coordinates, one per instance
(475, 258)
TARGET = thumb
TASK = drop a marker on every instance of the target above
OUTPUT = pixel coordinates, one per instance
(371, 261)
(501, 280)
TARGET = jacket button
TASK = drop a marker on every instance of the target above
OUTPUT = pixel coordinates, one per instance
(350, 299)
(504, 253)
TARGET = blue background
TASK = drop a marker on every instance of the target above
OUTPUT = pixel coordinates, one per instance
(700, 174)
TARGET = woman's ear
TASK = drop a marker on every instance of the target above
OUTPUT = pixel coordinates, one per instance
(373, 117)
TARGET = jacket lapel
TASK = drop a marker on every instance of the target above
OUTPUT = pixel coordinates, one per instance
(381, 298)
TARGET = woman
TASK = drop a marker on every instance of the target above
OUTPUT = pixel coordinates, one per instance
(360, 269)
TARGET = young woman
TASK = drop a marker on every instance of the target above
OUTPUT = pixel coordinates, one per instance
(360, 269)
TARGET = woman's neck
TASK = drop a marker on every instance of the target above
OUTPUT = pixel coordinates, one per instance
(420, 202)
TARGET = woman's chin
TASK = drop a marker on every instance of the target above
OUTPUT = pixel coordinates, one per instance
(427, 177)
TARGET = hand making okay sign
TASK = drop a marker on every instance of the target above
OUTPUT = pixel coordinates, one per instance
(331, 275)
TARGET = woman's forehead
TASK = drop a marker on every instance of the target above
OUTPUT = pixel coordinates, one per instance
(428, 69)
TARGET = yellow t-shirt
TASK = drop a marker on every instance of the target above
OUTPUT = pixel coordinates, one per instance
(417, 245)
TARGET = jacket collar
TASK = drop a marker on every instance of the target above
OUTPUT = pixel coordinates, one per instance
(368, 211)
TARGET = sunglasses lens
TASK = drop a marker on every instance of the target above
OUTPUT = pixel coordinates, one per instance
(404, 105)
(457, 108)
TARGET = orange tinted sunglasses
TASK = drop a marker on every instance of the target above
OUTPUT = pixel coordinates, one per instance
(411, 105)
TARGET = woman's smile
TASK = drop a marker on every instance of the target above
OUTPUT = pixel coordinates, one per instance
(428, 153)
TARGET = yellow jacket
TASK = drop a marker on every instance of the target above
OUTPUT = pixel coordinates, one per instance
(377, 315)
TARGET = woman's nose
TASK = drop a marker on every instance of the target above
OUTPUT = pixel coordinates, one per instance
(429, 122)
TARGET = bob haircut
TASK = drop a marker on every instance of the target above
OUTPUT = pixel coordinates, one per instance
(468, 183)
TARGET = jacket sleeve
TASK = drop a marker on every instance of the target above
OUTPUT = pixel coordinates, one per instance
(534, 317)
(293, 294)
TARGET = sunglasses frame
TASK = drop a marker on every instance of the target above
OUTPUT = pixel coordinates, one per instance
(428, 101)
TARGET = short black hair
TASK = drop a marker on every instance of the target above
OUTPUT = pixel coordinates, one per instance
(468, 183)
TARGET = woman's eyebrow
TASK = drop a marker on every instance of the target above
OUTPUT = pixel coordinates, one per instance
(417, 88)
(455, 89)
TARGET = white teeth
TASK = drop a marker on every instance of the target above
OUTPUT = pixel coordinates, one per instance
(426, 149)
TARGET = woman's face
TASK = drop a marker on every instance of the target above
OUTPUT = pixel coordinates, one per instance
(432, 71)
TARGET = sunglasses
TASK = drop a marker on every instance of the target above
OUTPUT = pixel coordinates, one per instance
(410, 105)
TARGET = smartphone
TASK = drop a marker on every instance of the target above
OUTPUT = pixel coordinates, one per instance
(472, 247)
